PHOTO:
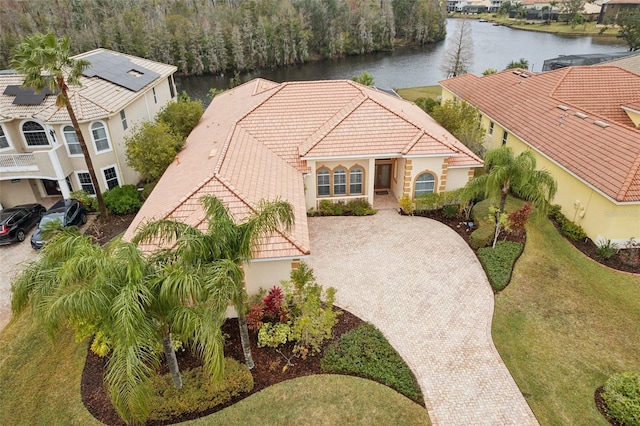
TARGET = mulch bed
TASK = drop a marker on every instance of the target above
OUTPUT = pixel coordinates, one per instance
(597, 396)
(104, 230)
(617, 261)
(268, 370)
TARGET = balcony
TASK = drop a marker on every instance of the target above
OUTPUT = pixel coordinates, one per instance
(50, 164)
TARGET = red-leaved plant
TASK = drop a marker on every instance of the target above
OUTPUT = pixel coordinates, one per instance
(519, 218)
(254, 317)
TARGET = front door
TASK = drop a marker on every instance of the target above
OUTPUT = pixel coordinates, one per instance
(51, 187)
(383, 176)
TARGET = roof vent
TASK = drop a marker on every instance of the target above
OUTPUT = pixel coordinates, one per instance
(523, 75)
(213, 152)
(563, 107)
(517, 72)
(601, 124)
(581, 115)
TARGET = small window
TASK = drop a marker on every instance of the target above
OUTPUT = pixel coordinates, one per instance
(504, 137)
(171, 89)
(424, 184)
(99, 134)
(85, 182)
(340, 182)
(323, 183)
(71, 137)
(491, 128)
(355, 181)
(123, 118)
(4, 142)
(155, 98)
(34, 134)
(111, 177)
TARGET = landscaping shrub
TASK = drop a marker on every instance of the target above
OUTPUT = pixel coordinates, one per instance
(555, 214)
(573, 231)
(356, 207)
(428, 202)
(622, 398)
(198, 392)
(482, 237)
(450, 211)
(122, 199)
(498, 262)
(365, 351)
(90, 203)
(518, 219)
(147, 189)
(273, 335)
(606, 249)
(406, 205)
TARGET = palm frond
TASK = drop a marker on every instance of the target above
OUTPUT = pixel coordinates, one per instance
(166, 230)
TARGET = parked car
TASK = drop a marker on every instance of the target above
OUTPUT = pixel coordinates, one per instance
(17, 221)
(68, 212)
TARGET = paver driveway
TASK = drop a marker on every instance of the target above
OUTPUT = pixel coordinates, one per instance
(420, 284)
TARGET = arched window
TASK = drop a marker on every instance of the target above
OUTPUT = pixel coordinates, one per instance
(99, 134)
(340, 181)
(424, 184)
(34, 134)
(355, 181)
(71, 137)
(4, 142)
(323, 182)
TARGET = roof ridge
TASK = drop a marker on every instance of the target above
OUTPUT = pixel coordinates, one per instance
(413, 142)
(626, 185)
(235, 192)
(324, 130)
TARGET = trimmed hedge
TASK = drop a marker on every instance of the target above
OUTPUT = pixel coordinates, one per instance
(355, 207)
(364, 351)
(198, 392)
(122, 199)
(622, 398)
(498, 262)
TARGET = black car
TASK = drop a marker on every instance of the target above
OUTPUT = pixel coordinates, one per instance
(68, 212)
(17, 221)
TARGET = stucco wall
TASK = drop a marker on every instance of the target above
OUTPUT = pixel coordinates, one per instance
(456, 178)
(15, 193)
(431, 165)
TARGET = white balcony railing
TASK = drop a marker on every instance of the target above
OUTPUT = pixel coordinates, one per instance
(18, 163)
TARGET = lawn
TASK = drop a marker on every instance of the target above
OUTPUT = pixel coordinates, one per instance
(40, 384)
(413, 93)
(564, 325)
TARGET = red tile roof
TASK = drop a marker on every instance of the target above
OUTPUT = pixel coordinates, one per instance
(558, 113)
(252, 141)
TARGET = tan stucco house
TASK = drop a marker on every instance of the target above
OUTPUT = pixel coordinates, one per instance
(40, 158)
(304, 142)
(582, 125)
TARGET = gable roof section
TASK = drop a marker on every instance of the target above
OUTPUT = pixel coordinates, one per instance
(604, 157)
(250, 142)
(96, 98)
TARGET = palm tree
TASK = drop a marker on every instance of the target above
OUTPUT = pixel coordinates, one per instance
(137, 301)
(223, 248)
(45, 61)
(506, 173)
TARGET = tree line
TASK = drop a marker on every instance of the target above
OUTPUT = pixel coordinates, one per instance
(213, 36)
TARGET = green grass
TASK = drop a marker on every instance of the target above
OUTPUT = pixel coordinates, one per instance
(40, 380)
(564, 325)
(413, 93)
(322, 400)
(40, 385)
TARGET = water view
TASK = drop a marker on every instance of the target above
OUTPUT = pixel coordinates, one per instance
(494, 47)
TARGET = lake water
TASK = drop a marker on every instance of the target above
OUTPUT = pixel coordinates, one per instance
(493, 47)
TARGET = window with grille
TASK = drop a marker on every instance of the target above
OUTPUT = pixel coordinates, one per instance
(34, 134)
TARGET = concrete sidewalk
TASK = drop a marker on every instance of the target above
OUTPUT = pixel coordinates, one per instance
(422, 286)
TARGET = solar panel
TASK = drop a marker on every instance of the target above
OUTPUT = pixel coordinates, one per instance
(119, 70)
(26, 95)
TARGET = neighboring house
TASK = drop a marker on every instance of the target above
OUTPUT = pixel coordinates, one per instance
(630, 62)
(614, 8)
(40, 156)
(304, 142)
(582, 124)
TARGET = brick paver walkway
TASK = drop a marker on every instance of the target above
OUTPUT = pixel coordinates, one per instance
(422, 286)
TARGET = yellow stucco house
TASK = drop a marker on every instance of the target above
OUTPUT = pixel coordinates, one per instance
(40, 157)
(304, 142)
(582, 124)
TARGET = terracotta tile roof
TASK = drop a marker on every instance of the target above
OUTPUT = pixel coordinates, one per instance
(96, 98)
(603, 155)
(251, 142)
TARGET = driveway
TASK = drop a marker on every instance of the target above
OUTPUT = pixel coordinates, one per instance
(419, 283)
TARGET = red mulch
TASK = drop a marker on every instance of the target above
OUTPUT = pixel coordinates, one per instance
(268, 370)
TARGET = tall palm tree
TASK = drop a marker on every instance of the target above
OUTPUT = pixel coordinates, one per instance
(46, 62)
(135, 300)
(507, 173)
(224, 248)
